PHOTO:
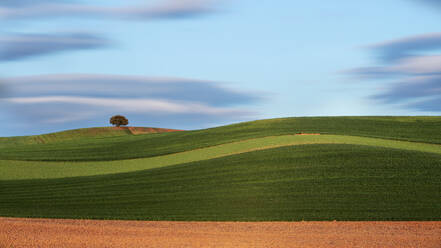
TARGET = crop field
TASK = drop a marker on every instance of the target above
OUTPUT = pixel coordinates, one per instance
(359, 168)
(117, 147)
(50, 169)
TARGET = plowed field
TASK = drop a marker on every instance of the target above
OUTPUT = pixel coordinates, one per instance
(24, 233)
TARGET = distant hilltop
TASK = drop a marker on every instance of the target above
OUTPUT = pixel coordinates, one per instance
(76, 134)
(145, 130)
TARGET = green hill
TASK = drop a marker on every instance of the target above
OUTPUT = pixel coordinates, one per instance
(117, 147)
(79, 134)
(359, 168)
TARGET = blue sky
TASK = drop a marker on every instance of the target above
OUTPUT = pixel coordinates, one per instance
(193, 64)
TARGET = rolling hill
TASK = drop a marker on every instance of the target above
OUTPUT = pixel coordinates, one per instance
(80, 134)
(358, 168)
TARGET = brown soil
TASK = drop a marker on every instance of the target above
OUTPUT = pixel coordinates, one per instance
(145, 130)
(88, 233)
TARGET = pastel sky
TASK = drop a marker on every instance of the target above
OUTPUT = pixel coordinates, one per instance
(191, 64)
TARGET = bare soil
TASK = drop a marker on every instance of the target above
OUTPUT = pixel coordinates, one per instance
(24, 233)
(145, 130)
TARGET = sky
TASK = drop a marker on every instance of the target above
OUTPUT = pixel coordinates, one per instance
(192, 64)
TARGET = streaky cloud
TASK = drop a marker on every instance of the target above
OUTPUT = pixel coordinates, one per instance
(22, 46)
(135, 87)
(22, 3)
(413, 88)
(130, 105)
(417, 65)
(395, 50)
(170, 9)
(413, 65)
(78, 99)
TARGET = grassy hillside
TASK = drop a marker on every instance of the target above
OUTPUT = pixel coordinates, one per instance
(360, 168)
(417, 129)
(78, 134)
(13, 170)
(309, 182)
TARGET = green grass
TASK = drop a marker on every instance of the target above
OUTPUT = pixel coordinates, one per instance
(417, 129)
(305, 182)
(360, 168)
(70, 135)
(14, 170)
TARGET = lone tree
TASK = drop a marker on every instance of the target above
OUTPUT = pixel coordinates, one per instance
(119, 120)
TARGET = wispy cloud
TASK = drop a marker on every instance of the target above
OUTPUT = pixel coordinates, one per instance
(130, 105)
(68, 99)
(414, 66)
(395, 50)
(21, 46)
(139, 87)
(164, 10)
(21, 3)
(417, 87)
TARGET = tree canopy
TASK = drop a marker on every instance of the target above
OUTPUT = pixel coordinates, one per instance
(119, 120)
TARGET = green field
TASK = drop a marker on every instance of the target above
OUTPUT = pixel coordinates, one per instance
(360, 168)
(417, 129)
